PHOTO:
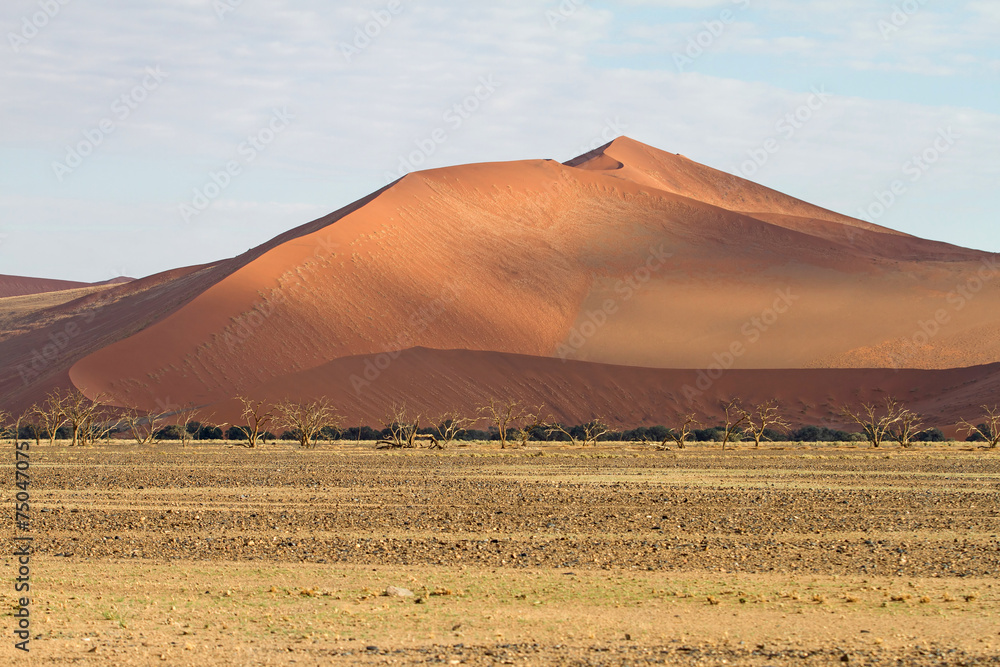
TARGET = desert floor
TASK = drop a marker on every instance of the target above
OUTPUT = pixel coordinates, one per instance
(791, 554)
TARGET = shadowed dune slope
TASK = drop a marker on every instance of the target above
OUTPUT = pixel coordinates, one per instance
(432, 382)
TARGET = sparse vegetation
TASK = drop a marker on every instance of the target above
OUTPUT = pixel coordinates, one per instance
(258, 415)
(61, 416)
(305, 421)
(908, 425)
(761, 418)
(85, 418)
(988, 431)
(680, 435)
(143, 425)
(584, 434)
(876, 422)
(735, 417)
(449, 426)
(502, 415)
(402, 430)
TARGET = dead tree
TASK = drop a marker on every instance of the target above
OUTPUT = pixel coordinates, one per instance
(403, 431)
(143, 425)
(679, 437)
(449, 426)
(25, 421)
(555, 427)
(306, 420)
(736, 417)
(533, 421)
(257, 415)
(502, 415)
(102, 423)
(80, 414)
(989, 430)
(184, 418)
(908, 425)
(29, 419)
(593, 431)
(49, 415)
(876, 422)
(762, 417)
(6, 424)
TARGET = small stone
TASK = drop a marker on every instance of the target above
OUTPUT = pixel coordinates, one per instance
(397, 592)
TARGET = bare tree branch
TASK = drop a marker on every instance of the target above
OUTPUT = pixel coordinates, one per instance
(593, 430)
(531, 422)
(50, 415)
(736, 417)
(908, 425)
(761, 417)
(307, 419)
(875, 421)
(403, 429)
(257, 415)
(30, 418)
(449, 426)
(680, 437)
(142, 425)
(80, 414)
(502, 414)
(185, 417)
(6, 424)
(989, 430)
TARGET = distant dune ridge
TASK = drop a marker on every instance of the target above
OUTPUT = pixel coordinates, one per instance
(587, 285)
(21, 286)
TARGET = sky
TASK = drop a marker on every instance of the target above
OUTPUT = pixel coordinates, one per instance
(142, 136)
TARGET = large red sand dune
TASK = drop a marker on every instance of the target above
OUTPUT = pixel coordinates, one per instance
(625, 257)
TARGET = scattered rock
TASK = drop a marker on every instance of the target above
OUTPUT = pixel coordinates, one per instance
(397, 592)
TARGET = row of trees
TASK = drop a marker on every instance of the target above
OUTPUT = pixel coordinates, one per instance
(890, 421)
(81, 420)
